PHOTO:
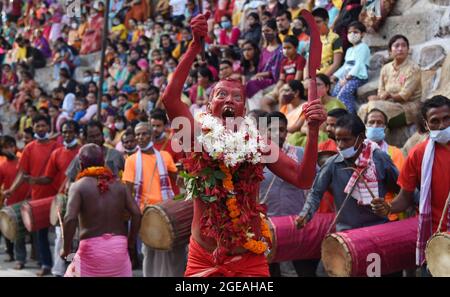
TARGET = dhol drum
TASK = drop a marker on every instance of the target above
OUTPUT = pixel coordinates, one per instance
(437, 254)
(349, 253)
(11, 223)
(58, 203)
(290, 243)
(167, 224)
(36, 213)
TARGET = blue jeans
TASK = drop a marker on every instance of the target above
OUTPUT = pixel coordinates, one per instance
(45, 255)
(347, 92)
(20, 250)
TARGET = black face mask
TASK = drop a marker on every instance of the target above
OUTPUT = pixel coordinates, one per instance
(297, 32)
(10, 156)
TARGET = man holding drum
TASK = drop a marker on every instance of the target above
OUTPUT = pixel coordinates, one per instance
(8, 172)
(97, 202)
(147, 175)
(340, 175)
(427, 166)
(218, 249)
(55, 176)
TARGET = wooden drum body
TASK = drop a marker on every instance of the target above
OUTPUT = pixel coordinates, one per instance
(346, 253)
(11, 223)
(36, 213)
(290, 243)
(167, 225)
(437, 254)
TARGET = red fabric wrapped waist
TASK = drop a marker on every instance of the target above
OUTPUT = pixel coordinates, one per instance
(201, 264)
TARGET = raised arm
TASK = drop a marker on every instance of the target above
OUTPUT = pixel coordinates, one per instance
(302, 174)
(172, 94)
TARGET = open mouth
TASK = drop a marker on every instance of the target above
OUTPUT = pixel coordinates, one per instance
(228, 112)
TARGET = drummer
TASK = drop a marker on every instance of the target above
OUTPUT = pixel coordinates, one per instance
(427, 167)
(281, 197)
(55, 176)
(8, 172)
(338, 176)
(154, 169)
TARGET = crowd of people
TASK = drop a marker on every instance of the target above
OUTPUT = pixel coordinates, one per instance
(153, 51)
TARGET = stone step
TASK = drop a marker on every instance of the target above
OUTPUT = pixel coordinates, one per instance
(418, 28)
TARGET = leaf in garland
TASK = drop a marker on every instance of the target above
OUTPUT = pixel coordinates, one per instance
(180, 197)
(219, 174)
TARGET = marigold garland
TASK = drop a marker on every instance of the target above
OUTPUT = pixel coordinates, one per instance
(103, 174)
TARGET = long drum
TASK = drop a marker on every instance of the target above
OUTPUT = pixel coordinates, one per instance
(167, 224)
(290, 243)
(59, 203)
(36, 213)
(349, 253)
(11, 223)
(437, 254)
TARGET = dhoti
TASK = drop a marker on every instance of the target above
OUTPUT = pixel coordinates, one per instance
(201, 264)
(102, 256)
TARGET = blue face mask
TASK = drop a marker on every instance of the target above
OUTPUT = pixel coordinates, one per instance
(375, 134)
(226, 24)
(349, 152)
(104, 105)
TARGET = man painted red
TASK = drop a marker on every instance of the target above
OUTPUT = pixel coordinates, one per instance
(227, 100)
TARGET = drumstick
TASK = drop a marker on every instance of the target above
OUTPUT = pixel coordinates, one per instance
(364, 181)
(60, 222)
(444, 212)
(345, 200)
(268, 188)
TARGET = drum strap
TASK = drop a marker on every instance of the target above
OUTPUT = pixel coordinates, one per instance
(444, 211)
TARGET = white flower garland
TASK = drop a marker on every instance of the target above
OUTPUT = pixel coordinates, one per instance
(245, 145)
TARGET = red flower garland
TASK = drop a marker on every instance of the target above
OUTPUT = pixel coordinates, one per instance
(103, 174)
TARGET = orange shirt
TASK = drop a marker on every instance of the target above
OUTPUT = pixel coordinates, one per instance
(8, 172)
(57, 165)
(410, 176)
(398, 159)
(151, 191)
(34, 159)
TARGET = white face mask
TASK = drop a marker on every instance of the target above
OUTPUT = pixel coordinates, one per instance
(45, 137)
(119, 125)
(284, 52)
(147, 147)
(71, 144)
(349, 152)
(440, 136)
(354, 38)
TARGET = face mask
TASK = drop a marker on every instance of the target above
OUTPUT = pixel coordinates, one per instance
(269, 37)
(9, 155)
(286, 98)
(130, 151)
(119, 125)
(349, 152)
(440, 136)
(116, 22)
(87, 79)
(375, 133)
(323, 29)
(74, 26)
(217, 33)
(354, 38)
(297, 31)
(149, 146)
(284, 52)
(44, 137)
(226, 24)
(104, 105)
(73, 143)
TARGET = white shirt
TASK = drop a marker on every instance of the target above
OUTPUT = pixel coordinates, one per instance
(178, 7)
